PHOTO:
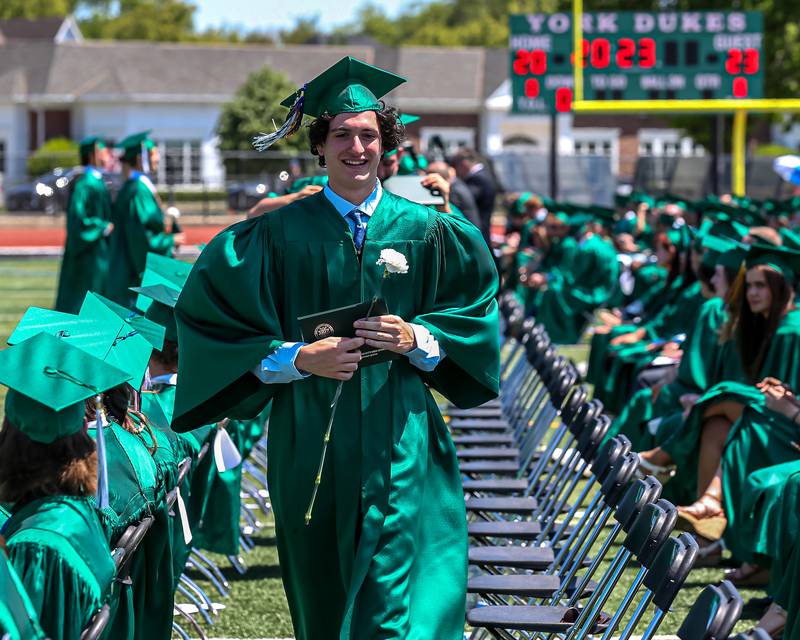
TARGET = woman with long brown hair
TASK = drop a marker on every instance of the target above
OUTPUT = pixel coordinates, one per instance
(767, 338)
(48, 473)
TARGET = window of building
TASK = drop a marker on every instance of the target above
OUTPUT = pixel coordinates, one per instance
(181, 162)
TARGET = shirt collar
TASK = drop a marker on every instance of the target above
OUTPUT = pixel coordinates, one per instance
(167, 378)
(344, 207)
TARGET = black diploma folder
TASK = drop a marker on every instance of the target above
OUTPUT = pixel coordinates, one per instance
(339, 322)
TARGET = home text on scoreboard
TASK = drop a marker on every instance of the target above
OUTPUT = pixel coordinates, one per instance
(632, 55)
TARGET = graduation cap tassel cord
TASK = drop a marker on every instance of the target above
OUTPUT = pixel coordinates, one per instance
(294, 118)
(102, 467)
(102, 470)
(325, 442)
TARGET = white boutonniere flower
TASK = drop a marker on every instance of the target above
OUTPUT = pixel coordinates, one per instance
(393, 261)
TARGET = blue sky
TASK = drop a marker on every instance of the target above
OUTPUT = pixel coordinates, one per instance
(273, 14)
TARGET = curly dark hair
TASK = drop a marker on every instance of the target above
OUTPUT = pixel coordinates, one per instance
(30, 469)
(392, 131)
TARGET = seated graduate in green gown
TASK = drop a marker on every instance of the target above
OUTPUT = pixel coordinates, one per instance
(652, 411)
(18, 619)
(48, 471)
(767, 337)
(140, 224)
(383, 551)
(86, 257)
(670, 250)
(570, 291)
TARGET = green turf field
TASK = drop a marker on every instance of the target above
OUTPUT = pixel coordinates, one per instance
(257, 606)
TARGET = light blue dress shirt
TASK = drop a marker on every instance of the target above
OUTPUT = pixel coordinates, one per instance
(279, 365)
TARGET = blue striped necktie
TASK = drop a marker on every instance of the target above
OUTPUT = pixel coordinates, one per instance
(358, 228)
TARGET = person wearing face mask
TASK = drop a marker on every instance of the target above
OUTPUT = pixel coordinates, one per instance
(383, 552)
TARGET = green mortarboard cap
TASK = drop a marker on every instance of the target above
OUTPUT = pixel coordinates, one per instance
(90, 143)
(162, 270)
(604, 216)
(150, 331)
(680, 237)
(133, 144)
(577, 220)
(718, 244)
(519, 206)
(130, 351)
(733, 258)
(785, 261)
(48, 382)
(162, 308)
(349, 86)
(407, 118)
(547, 203)
(725, 226)
(391, 153)
(791, 239)
(84, 333)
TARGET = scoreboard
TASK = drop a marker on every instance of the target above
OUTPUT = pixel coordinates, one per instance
(634, 55)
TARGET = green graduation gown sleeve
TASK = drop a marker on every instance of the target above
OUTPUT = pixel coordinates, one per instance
(85, 261)
(18, 618)
(61, 555)
(385, 553)
(138, 229)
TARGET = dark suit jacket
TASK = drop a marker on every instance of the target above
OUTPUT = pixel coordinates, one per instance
(484, 190)
(461, 196)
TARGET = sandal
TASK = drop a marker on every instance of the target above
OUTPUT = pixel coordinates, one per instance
(748, 575)
(773, 621)
(662, 474)
(705, 517)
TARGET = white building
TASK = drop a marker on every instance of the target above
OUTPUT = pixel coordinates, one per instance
(54, 83)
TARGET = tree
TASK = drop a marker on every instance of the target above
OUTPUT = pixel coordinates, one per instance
(253, 110)
(31, 9)
(153, 20)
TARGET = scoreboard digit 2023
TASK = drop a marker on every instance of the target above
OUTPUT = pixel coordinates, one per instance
(633, 55)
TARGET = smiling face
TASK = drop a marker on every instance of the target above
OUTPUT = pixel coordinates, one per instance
(352, 151)
(759, 296)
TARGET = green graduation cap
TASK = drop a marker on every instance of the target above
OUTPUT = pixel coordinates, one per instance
(149, 330)
(791, 239)
(162, 308)
(407, 118)
(90, 143)
(48, 381)
(604, 216)
(717, 246)
(733, 258)
(134, 145)
(130, 350)
(680, 236)
(518, 207)
(349, 86)
(82, 332)
(162, 270)
(785, 261)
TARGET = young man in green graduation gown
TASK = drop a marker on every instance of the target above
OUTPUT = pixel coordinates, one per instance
(384, 554)
(85, 261)
(140, 225)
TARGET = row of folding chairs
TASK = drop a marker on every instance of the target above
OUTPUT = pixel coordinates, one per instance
(560, 518)
(194, 606)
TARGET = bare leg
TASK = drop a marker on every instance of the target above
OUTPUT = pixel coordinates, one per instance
(657, 456)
